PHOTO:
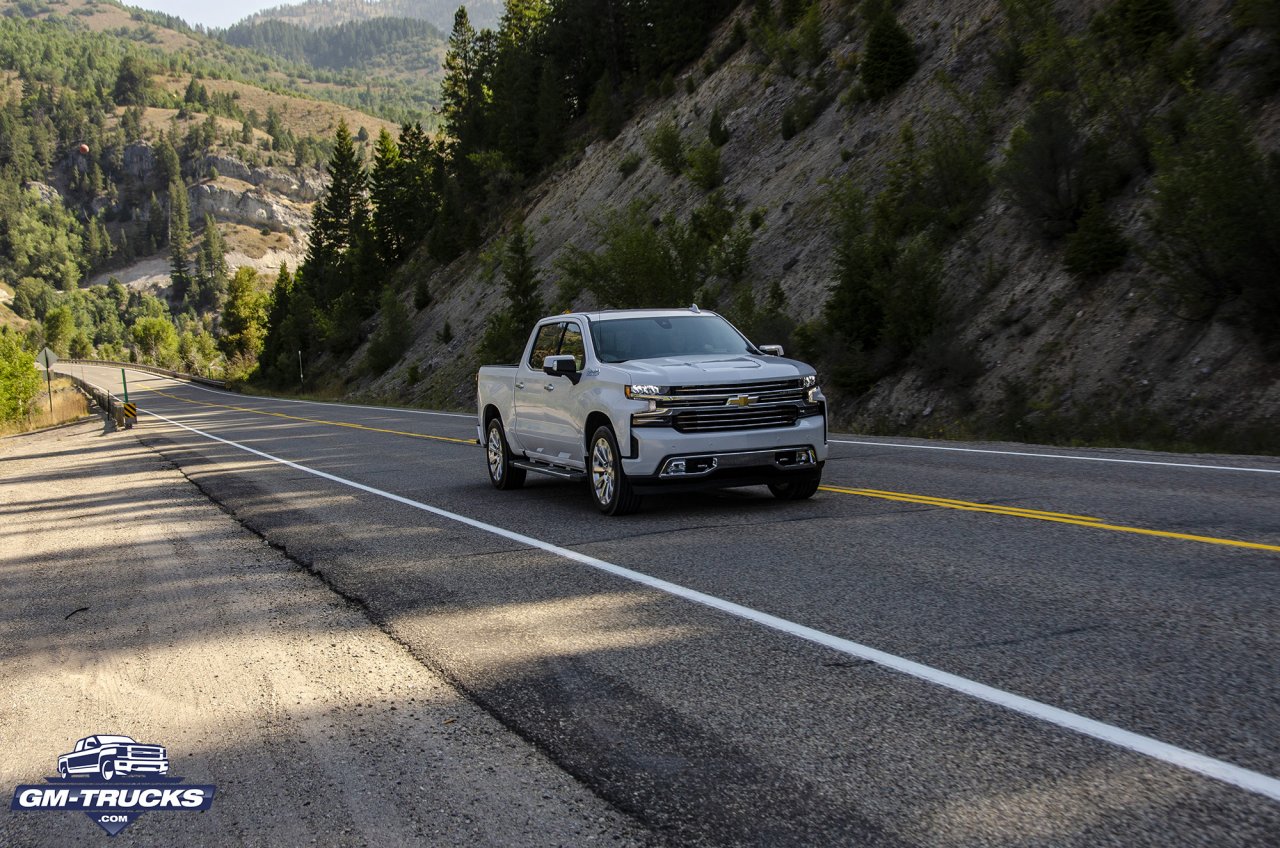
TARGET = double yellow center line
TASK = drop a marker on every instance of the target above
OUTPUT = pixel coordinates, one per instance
(1041, 515)
(902, 497)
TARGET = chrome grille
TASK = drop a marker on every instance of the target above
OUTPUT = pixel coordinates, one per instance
(704, 420)
(740, 388)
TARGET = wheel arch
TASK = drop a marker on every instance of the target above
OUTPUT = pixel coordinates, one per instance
(594, 422)
(490, 412)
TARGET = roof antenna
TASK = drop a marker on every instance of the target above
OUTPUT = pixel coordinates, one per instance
(694, 308)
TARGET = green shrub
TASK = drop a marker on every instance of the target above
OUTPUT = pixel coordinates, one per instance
(803, 110)
(643, 263)
(629, 164)
(1216, 215)
(1044, 167)
(446, 333)
(808, 36)
(1096, 246)
(717, 133)
(411, 375)
(421, 294)
(890, 58)
(393, 335)
(667, 147)
(1136, 25)
(704, 167)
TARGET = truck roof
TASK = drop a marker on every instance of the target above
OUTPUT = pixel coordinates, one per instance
(613, 314)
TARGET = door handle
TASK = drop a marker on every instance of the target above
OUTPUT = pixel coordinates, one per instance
(551, 387)
(519, 385)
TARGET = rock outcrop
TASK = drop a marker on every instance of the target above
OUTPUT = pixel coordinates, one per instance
(233, 200)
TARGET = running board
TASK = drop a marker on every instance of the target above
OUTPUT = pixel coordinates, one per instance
(551, 470)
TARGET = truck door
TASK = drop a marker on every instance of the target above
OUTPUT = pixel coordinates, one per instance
(531, 425)
(566, 402)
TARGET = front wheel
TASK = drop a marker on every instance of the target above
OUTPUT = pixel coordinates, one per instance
(502, 474)
(610, 488)
(797, 489)
(108, 769)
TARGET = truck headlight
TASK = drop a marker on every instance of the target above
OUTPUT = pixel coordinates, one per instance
(644, 392)
(809, 381)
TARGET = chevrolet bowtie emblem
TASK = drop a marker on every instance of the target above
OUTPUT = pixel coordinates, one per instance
(740, 400)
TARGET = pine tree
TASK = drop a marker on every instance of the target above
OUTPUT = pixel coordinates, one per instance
(339, 223)
(890, 59)
(507, 328)
(462, 91)
(179, 241)
(244, 319)
(386, 191)
(552, 112)
(212, 273)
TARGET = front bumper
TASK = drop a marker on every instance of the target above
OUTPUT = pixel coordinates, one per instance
(740, 454)
(142, 766)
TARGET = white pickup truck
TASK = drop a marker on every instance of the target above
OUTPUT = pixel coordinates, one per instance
(642, 401)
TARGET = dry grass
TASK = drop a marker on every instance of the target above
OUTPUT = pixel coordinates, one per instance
(105, 17)
(252, 242)
(303, 116)
(68, 405)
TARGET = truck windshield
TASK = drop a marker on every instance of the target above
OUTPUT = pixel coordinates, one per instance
(624, 339)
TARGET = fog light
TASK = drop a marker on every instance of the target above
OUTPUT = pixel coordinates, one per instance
(675, 466)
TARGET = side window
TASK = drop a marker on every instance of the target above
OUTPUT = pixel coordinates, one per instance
(545, 344)
(571, 345)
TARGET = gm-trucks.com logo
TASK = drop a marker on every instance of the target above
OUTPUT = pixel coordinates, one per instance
(113, 780)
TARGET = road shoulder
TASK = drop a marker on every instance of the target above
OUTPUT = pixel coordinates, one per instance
(141, 608)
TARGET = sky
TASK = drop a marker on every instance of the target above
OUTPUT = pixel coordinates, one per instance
(211, 13)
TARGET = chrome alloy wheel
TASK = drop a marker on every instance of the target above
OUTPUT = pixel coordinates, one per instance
(603, 473)
(495, 447)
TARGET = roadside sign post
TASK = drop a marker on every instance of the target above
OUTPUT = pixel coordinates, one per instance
(130, 411)
(46, 358)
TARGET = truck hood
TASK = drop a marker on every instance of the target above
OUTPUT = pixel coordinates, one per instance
(709, 370)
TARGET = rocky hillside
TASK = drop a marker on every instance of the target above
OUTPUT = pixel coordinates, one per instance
(1017, 345)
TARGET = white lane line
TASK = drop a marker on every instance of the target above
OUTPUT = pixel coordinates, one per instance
(239, 396)
(1057, 456)
(1246, 779)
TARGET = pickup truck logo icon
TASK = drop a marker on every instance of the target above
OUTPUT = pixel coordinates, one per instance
(109, 757)
(113, 780)
(740, 400)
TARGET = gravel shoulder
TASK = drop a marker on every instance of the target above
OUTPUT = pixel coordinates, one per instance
(133, 605)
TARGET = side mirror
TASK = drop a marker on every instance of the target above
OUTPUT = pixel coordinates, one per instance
(771, 350)
(561, 366)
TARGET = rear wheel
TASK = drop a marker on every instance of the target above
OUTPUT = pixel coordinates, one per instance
(797, 489)
(610, 488)
(502, 474)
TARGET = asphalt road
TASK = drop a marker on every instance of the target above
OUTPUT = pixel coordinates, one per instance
(951, 644)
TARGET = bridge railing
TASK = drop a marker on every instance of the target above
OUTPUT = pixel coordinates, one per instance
(150, 369)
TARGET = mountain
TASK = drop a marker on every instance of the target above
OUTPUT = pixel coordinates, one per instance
(402, 49)
(154, 179)
(1042, 221)
(315, 14)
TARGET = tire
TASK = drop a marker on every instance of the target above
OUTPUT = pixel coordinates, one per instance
(799, 489)
(107, 768)
(502, 474)
(610, 488)
(62, 770)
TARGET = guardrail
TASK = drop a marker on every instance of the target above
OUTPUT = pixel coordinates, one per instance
(105, 400)
(150, 369)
